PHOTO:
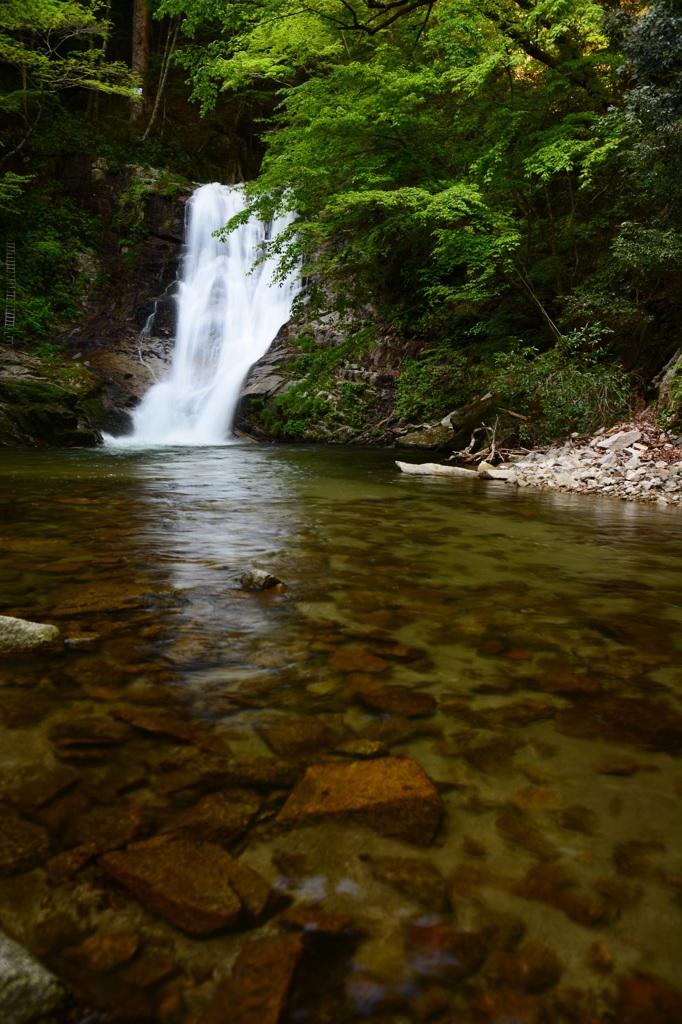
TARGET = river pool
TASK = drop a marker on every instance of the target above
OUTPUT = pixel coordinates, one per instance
(524, 649)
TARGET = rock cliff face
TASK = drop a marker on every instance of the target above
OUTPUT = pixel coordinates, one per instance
(109, 361)
(354, 405)
(138, 280)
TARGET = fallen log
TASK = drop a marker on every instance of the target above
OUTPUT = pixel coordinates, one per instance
(434, 469)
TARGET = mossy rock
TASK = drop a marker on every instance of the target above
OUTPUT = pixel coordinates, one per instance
(38, 412)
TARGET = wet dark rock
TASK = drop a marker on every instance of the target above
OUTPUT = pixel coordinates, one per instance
(532, 968)
(87, 739)
(259, 579)
(19, 635)
(315, 920)
(580, 819)
(299, 739)
(148, 968)
(198, 887)
(28, 992)
(645, 1000)
(256, 992)
(624, 767)
(23, 845)
(18, 710)
(493, 758)
(398, 730)
(564, 682)
(107, 827)
(505, 931)
(599, 958)
(397, 700)
(392, 795)
(632, 858)
(163, 724)
(618, 892)
(261, 773)
(624, 720)
(519, 713)
(35, 786)
(67, 865)
(430, 1003)
(102, 953)
(518, 830)
(555, 885)
(417, 879)
(217, 818)
(353, 659)
(436, 949)
(362, 748)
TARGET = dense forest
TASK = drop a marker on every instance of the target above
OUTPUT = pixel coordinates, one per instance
(493, 182)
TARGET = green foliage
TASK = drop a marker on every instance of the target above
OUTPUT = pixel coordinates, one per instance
(568, 388)
(50, 234)
(433, 385)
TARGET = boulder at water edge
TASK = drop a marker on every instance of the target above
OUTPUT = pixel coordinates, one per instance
(390, 794)
(17, 635)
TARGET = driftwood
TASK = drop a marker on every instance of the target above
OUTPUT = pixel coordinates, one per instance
(434, 469)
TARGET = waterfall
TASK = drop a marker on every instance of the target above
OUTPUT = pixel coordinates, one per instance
(228, 314)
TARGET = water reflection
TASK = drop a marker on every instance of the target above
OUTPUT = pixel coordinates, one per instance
(522, 648)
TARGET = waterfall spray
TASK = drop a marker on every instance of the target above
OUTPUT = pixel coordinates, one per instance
(229, 312)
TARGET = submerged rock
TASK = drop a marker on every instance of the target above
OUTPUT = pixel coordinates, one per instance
(257, 990)
(259, 579)
(28, 992)
(299, 738)
(23, 845)
(417, 879)
(392, 795)
(397, 700)
(198, 887)
(218, 817)
(17, 635)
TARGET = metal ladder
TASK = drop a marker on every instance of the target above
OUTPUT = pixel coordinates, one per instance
(11, 291)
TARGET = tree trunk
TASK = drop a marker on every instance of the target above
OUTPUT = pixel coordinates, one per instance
(140, 60)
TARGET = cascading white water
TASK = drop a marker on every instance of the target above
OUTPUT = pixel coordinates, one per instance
(229, 312)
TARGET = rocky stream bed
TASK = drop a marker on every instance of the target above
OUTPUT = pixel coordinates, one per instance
(416, 782)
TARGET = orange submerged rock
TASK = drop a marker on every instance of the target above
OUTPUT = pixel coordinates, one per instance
(196, 886)
(391, 794)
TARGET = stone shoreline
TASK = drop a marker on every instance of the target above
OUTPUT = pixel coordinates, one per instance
(634, 461)
(619, 464)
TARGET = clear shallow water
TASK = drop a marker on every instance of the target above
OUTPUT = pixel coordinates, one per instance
(546, 627)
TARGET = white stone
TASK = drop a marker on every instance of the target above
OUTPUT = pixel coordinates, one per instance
(18, 635)
(620, 440)
(28, 992)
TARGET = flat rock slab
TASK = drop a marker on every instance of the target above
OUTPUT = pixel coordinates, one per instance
(28, 992)
(299, 738)
(257, 990)
(162, 724)
(198, 887)
(217, 818)
(397, 700)
(23, 845)
(17, 635)
(391, 794)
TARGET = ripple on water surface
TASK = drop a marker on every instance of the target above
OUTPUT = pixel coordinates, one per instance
(220, 797)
